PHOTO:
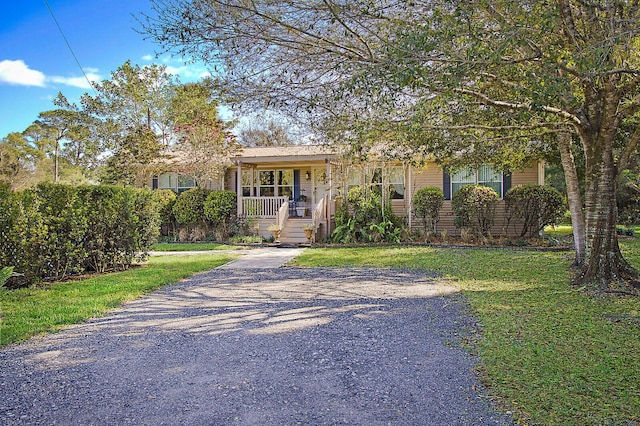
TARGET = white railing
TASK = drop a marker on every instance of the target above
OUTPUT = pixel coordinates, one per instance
(319, 213)
(263, 206)
(283, 214)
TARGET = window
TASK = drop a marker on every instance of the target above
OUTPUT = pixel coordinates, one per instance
(267, 183)
(166, 181)
(185, 183)
(483, 175)
(177, 183)
(376, 181)
(285, 183)
(275, 183)
(247, 184)
(354, 179)
(396, 183)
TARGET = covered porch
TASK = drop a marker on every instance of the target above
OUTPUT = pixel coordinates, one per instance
(278, 184)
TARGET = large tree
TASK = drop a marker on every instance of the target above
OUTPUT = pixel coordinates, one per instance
(204, 141)
(481, 78)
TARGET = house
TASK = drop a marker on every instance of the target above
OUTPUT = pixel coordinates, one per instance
(294, 186)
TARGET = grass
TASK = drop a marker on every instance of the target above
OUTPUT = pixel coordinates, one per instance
(550, 353)
(193, 247)
(36, 310)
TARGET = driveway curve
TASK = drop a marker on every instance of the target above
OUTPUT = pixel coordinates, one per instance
(281, 346)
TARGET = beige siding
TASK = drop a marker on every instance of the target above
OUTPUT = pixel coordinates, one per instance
(433, 176)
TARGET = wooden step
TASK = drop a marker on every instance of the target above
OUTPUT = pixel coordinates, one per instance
(293, 232)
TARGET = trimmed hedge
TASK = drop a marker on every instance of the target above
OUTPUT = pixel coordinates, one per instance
(532, 207)
(474, 207)
(56, 230)
(427, 203)
(220, 209)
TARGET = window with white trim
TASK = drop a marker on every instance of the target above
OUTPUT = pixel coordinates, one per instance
(267, 180)
(483, 175)
(275, 183)
(396, 183)
(178, 183)
(285, 183)
(247, 184)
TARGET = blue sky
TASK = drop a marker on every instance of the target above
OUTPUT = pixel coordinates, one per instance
(36, 64)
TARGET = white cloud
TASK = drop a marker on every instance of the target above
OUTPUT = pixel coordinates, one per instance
(147, 58)
(17, 72)
(80, 82)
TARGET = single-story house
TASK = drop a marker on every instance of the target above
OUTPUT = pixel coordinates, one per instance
(294, 186)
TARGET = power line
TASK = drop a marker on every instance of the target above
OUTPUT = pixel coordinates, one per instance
(69, 46)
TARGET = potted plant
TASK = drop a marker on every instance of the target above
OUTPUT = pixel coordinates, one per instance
(275, 230)
(308, 229)
(300, 205)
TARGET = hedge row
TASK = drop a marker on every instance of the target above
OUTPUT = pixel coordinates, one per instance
(198, 214)
(56, 230)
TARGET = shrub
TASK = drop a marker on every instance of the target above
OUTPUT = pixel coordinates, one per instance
(474, 207)
(628, 199)
(427, 203)
(532, 207)
(56, 230)
(220, 208)
(359, 218)
(166, 198)
(188, 208)
(5, 274)
(64, 217)
(123, 223)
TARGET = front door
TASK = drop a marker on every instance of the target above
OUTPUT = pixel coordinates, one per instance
(320, 183)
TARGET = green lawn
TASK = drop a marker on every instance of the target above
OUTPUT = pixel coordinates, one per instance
(193, 247)
(31, 311)
(549, 353)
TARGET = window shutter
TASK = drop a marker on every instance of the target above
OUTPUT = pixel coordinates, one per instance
(446, 185)
(506, 183)
(154, 183)
(296, 184)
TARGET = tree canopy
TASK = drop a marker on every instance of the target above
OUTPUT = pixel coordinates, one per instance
(480, 80)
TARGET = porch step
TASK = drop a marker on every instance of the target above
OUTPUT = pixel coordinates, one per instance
(293, 233)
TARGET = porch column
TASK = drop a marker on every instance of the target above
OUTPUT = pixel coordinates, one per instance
(408, 192)
(328, 204)
(239, 187)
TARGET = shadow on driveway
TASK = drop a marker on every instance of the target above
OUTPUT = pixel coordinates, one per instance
(276, 347)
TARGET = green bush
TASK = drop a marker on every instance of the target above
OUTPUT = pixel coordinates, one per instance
(360, 216)
(532, 207)
(5, 274)
(221, 206)
(220, 209)
(64, 217)
(56, 230)
(474, 207)
(188, 208)
(166, 198)
(427, 203)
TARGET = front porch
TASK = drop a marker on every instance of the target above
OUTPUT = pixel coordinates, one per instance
(289, 217)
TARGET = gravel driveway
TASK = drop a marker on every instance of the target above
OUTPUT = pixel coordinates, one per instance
(279, 346)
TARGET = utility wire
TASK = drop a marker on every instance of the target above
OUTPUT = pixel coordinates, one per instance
(69, 46)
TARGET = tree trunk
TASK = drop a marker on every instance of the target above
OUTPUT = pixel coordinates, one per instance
(55, 161)
(573, 196)
(604, 268)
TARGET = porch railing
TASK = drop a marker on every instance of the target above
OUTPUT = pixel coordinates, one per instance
(283, 214)
(319, 213)
(262, 206)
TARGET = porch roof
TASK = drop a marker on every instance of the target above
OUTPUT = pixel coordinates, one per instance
(282, 154)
